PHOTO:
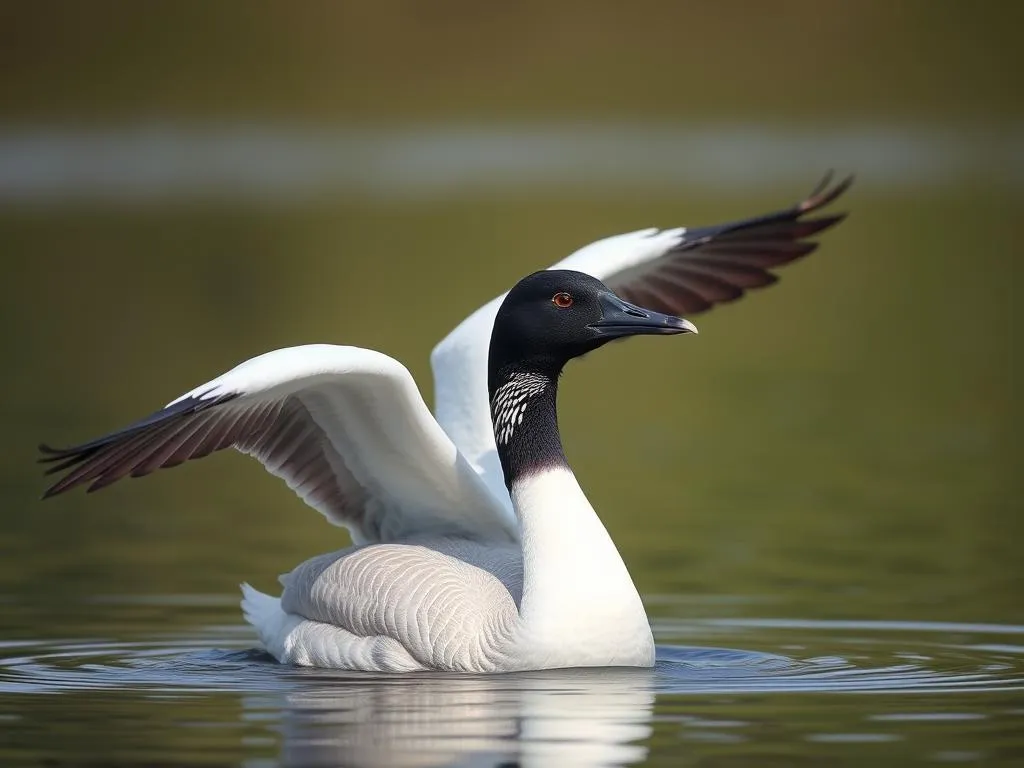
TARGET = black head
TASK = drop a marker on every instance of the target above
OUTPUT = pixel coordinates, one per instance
(547, 319)
(552, 316)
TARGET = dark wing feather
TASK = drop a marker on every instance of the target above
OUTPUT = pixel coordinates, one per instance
(187, 429)
(133, 436)
(280, 433)
(716, 264)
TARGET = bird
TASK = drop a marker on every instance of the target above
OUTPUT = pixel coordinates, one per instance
(434, 579)
(444, 573)
(685, 271)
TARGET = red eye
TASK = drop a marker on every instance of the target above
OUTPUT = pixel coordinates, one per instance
(562, 300)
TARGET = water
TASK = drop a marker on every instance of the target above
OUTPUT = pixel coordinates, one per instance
(818, 497)
(725, 689)
(818, 500)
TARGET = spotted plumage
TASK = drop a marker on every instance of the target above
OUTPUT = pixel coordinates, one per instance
(511, 401)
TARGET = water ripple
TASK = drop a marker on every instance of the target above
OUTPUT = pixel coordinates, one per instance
(219, 659)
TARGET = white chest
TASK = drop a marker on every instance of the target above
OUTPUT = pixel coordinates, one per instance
(579, 606)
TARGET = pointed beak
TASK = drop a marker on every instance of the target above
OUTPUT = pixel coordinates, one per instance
(620, 318)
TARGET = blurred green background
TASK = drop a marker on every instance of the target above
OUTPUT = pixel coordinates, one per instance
(185, 185)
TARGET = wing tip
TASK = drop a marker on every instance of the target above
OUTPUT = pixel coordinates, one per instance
(52, 454)
(822, 194)
(66, 458)
(814, 227)
(56, 489)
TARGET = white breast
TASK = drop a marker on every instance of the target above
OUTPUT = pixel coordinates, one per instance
(579, 606)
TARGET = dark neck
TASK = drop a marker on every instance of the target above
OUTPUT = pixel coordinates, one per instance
(525, 419)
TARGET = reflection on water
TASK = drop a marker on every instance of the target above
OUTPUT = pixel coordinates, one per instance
(559, 718)
(925, 680)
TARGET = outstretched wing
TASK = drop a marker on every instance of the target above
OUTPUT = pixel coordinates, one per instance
(344, 427)
(681, 271)
(705, 266)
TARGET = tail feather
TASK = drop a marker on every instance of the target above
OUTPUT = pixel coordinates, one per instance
(271, 623)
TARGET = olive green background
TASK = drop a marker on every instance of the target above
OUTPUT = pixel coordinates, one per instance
(845, 443)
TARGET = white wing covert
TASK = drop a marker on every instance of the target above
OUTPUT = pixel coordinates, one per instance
(344, 427)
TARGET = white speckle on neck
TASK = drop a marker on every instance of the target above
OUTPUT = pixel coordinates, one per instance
(511, 400)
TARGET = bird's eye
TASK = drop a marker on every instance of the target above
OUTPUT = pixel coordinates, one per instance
(562, 300)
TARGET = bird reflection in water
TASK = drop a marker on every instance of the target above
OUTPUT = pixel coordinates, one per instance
(565, 718)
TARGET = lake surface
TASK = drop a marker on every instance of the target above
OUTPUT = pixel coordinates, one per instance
(818, 497)
(174, 681)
